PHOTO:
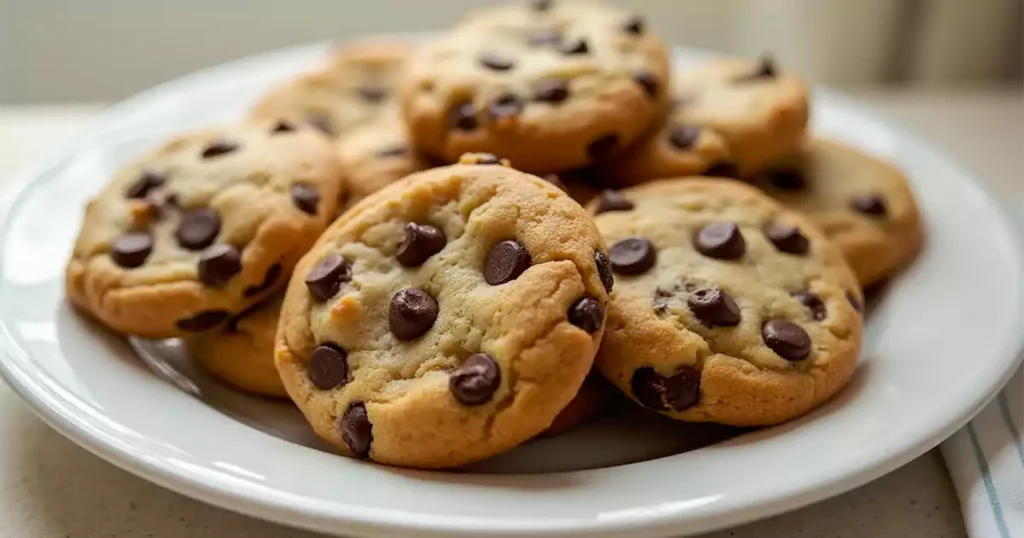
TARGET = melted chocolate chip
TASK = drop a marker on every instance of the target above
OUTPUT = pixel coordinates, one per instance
(587, 314)
(321, 122)
(634, 25)
(787, 179)
(576, 46)
(683, 137)
(787, 339)
(714, 308)
(813, 303)
(131, 249)
(421, 241)
(198, 228)
(282, 127)
(373, 94)
(218, 148)
(507, 260)
(721, 240)
(148, 181)
(612, 201)
(677, 392)
(505, 106)
(326, 277)
(413, 312)
(648, 82)
(203, 320)
(764, 69)
(463, 117)
(476, 380)
(218, 264)
(869, 204)
(495, 61)
(787, 238)
(271, 276)
(305, 197)
(356, 429)
(328, 366)
(604, 270)
(552, 91)
(632, 256)
(602, 146)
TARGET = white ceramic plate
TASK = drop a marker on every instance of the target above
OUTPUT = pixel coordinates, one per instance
(940, 340)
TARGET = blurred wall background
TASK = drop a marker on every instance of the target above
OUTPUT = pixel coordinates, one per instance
(104, 50)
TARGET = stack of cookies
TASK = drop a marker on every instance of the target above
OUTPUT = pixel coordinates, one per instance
(440, 252)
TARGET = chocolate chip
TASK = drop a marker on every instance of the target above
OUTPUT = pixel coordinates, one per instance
(356, 429)
(634, 25)
(576, 46)
(131, 249)
(321, 122)
(373, 94)
(602, 146)
(612, 201)
(269, 279)
(505, 106)
(787, 179)
(854, 302)
(305, 197)
(507, 260)
(198, 228)
(541, 5)
(393, 151)
(721, 240)
(544, 38)
(218, 148)
(813, 303)
(421, 241)
(587, 314)
(764, 69)
(203, 320)
(632, 256)
(463, 117)
(648, 82)
(328, 366)
(495, 61)
(678, 392)
(604, 270)
(552, 91)
(326, 277)
(412, 314)
(723, 169)
(787, 339)
(283, 127)
(683, 136)
(485, 158)
(148, 181)
(556, 181)
(218, 264)
(787, 238)
(869, 204)
(476, 380)
(714, 308)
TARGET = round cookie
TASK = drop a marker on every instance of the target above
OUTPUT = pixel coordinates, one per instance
(358, 85)
(376, 155)
(864, 205)
(202, 227)
(727, 307)
(446, 318)
(242, 354)
(728, 118)
(552, 85)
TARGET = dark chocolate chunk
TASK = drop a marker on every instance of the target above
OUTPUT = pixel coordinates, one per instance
(787, 339)
(413, 312)
(131, 249)
(787, 238)
(721, 240)
(305, 197)
(476, 380)
(219, 263)
(632, 256)
(507, 260)
(421, 241)
(587, 314)
(604, 270)
(326, 277)
(356, 429)
(714, 308)
(328, 366)
(198, 228)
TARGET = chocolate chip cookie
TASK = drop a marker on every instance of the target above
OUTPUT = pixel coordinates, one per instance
(727, 307)
(445, 318)
(356, 87)
(551, 85)
(728, 118)
(375, 155)
(203, 227)
(864, 205)
(242, 354)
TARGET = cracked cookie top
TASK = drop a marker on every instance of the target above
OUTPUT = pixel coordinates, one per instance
(446, 318)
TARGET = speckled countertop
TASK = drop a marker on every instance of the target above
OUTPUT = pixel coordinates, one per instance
(51, 488)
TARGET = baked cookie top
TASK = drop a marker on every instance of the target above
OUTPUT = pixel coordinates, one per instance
(375, 155)
(357, 85)
(202, 227)
(864, 205)
(550, 85)
(727, 307)
(445, 318)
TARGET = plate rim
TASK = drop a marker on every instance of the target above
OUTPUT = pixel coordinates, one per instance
(285, 508)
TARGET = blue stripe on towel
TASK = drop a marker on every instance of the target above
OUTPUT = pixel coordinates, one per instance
(993, 497)
(1004, 409)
